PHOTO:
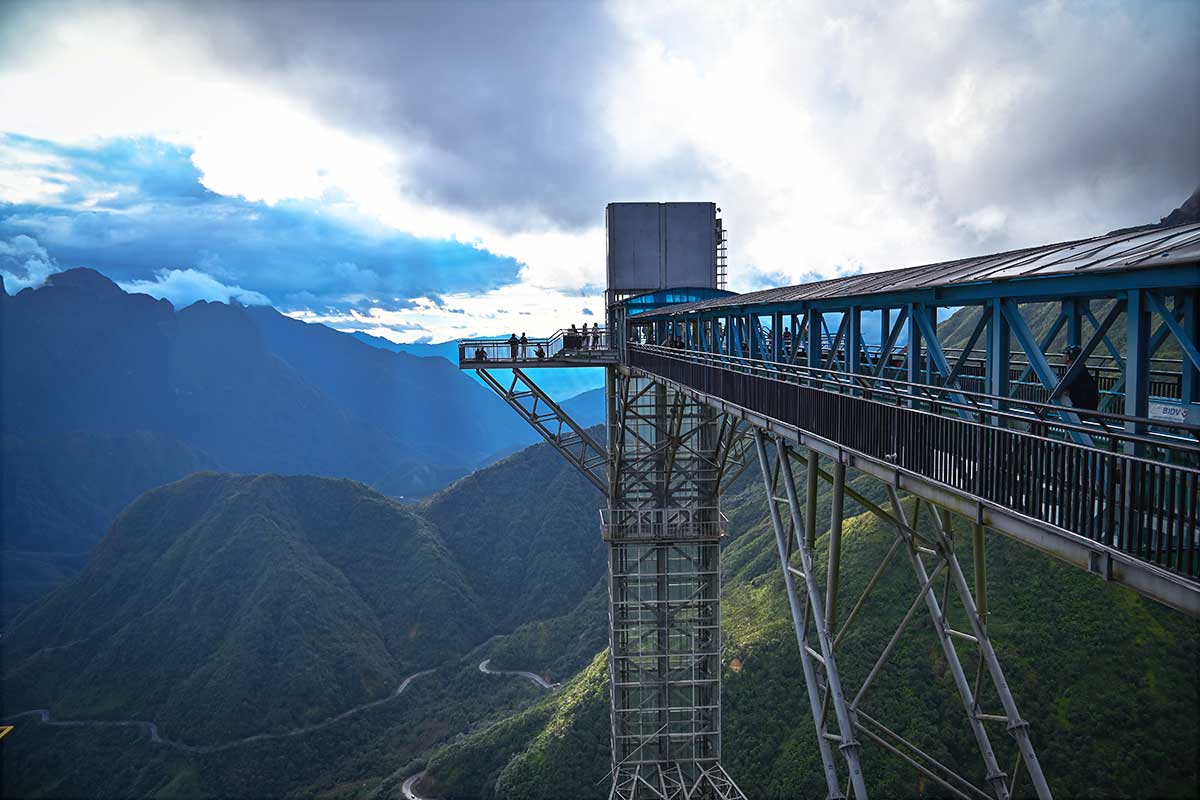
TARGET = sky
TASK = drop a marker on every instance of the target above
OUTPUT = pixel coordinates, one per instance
(427, 171)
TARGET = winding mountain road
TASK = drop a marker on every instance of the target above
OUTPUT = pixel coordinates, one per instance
(538, 679)
(409, 790)
(151, 728)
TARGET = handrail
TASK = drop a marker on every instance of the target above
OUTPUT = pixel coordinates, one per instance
(989, 405)
(704, 522)
(562, 342)
(1145, 508)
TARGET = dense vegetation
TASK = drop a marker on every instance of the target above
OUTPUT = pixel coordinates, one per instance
(108, 394)
(59, 494)
(225, 606)
(1106, 678)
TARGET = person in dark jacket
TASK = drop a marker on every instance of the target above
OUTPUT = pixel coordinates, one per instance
(1082, 390)
(513, 344)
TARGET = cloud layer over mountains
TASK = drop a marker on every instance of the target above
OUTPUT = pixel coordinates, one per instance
(473, 146)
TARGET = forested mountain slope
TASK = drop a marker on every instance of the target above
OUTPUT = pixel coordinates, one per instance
(107, 394)
(59, 494)
(223, 606)
(1106, 678)
(231, 606)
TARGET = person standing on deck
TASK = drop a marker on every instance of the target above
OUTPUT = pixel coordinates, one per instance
(1082, 390)
(524, 347)
(513, 344)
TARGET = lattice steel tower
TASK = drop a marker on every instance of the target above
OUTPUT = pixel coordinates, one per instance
(661, 471)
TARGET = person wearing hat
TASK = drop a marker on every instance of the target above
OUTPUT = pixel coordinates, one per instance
(1082, 390)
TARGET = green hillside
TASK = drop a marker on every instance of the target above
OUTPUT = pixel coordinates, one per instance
(1106, 678)
(60, 493)
(226, 606)
(223, 606)
(506, 528)
(230, 606)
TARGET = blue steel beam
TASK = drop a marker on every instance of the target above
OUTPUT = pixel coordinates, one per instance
(1190, 380)
(980, 325)
(1186, 343)
(1108, 343)
(999, 351)
(933, 349)
(1039, 364)
(1137, 362)
(885, 354)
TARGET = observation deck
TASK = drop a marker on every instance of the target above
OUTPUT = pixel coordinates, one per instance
(563, 348)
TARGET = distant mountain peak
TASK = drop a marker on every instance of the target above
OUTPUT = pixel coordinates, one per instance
(85, 280)
(1188, 211)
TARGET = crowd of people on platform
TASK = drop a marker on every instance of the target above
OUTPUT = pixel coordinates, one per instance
(574, 339)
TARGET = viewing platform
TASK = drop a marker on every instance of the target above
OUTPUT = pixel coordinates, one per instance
(564, 348)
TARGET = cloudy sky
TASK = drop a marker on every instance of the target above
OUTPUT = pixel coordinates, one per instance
(432, 170)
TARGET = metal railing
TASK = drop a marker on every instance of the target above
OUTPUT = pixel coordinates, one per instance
(1165, 375)
(663, 523)
(562, 344)
(1159, 440)
(1146, 507)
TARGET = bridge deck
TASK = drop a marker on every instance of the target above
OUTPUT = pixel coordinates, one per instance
(1130, 516)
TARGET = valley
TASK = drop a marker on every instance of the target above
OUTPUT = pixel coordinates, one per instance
(180, 629)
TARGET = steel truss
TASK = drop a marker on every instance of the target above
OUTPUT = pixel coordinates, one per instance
(669, 457)
(669, 783)
(819, 633)
(555, 425)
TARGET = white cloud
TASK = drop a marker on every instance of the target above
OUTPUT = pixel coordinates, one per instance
(835, 137)
(186, 286)
(984, 222)
(24, 263)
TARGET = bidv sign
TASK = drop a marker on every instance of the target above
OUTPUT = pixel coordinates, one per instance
(1175, 414)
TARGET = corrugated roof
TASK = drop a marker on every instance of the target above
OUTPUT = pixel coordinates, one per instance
(1109, 253)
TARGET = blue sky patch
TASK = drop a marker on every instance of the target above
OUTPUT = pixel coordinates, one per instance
(136, 210)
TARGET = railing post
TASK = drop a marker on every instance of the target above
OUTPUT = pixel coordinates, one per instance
(814, 338)
(999, 356)
(1137, 364)
(1190, 376)
(854, 340)
(914, 344)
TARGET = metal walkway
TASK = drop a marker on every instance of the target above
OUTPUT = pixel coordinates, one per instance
(1129, 518)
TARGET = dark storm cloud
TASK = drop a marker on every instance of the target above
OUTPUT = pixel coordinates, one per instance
(499, 105)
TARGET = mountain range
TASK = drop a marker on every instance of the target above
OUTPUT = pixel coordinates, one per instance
(222, 607)
(209, 593)
(108, 394)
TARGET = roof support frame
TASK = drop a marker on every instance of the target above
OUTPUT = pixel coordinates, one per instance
(1185, 342)
(1080, 363)
(1039, 364)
